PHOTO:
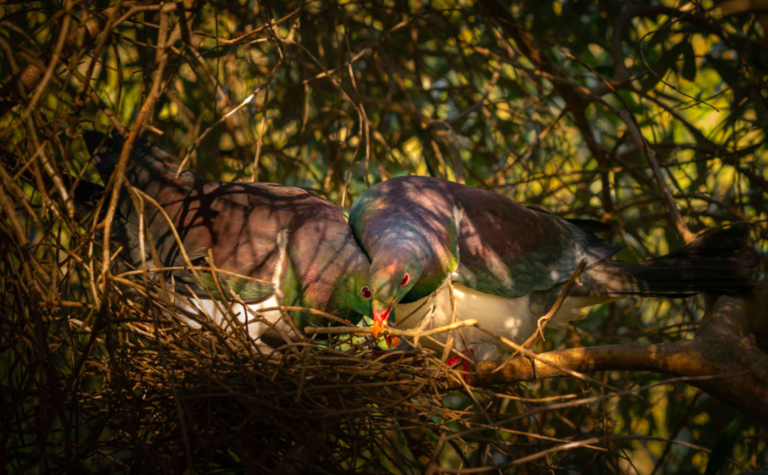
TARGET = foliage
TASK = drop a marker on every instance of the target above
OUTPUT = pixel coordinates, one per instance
(651, 117)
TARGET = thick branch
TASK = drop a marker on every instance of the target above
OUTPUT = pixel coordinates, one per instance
(725, 348)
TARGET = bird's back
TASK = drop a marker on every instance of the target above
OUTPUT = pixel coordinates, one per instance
(504, 248)
(238, 223)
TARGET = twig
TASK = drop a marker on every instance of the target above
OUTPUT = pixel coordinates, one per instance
(145, 112)
(650, 156)
(534, 356)
(544, 321)
(388, 331)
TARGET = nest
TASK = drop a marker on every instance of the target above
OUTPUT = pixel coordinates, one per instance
(113, 379)
(106, 372)
(100, 374)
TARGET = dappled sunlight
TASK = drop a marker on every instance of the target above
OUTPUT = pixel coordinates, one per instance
(196, 307)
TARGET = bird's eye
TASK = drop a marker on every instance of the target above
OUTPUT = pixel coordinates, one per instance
(366, 292)
(406, 279)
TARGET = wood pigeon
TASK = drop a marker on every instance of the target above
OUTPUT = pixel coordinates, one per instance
(508, 263)
(273, 245)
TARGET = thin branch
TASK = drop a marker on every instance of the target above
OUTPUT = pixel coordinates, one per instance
(146, 111)
(650, 156)
(389, 331)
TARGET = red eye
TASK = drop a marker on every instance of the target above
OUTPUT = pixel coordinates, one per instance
(406, 279)
(366, 292)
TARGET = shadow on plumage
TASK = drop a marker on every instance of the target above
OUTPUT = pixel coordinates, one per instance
(508, 263)
(273, 245)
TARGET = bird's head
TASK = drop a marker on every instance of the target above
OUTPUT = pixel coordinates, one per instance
(105, 152)
(393, 275)
(354, 296)
(343, 279)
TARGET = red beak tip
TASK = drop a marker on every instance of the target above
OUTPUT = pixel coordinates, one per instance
(379, 321)
(391, 341)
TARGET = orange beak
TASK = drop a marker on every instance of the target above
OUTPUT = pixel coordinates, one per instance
(379, 319)
(391, 341)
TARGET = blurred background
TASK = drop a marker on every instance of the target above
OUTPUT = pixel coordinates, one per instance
(596, 109)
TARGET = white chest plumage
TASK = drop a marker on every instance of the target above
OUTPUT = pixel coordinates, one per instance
(258, 323)
(513, 318)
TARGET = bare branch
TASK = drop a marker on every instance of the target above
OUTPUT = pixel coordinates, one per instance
(723, 347)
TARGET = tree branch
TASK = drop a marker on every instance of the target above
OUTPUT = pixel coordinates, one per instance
(727, 345)
(32, 75)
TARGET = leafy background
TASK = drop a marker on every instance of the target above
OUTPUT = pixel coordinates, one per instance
(524, 98)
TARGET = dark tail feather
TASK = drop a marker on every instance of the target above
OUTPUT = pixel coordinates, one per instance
(590, 225)
(96, 142)
(93, 140)
(719, 263)
(87, 195)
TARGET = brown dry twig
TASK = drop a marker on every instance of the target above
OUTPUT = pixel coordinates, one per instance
(98, 381)
(726, 345)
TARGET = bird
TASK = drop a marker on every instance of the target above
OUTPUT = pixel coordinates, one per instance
(505, 264)
(271, 245)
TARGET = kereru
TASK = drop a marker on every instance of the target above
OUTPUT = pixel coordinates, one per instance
(292, 247)
(508, 263)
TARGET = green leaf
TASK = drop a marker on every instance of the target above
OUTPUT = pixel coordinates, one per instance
(658, 37)
(727, 69)
(689, 64)
(605, 70)
(719, 455)
(665, 63)
(669, 58)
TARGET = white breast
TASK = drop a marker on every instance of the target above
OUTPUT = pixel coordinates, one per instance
(270, 323)
(509, 317)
